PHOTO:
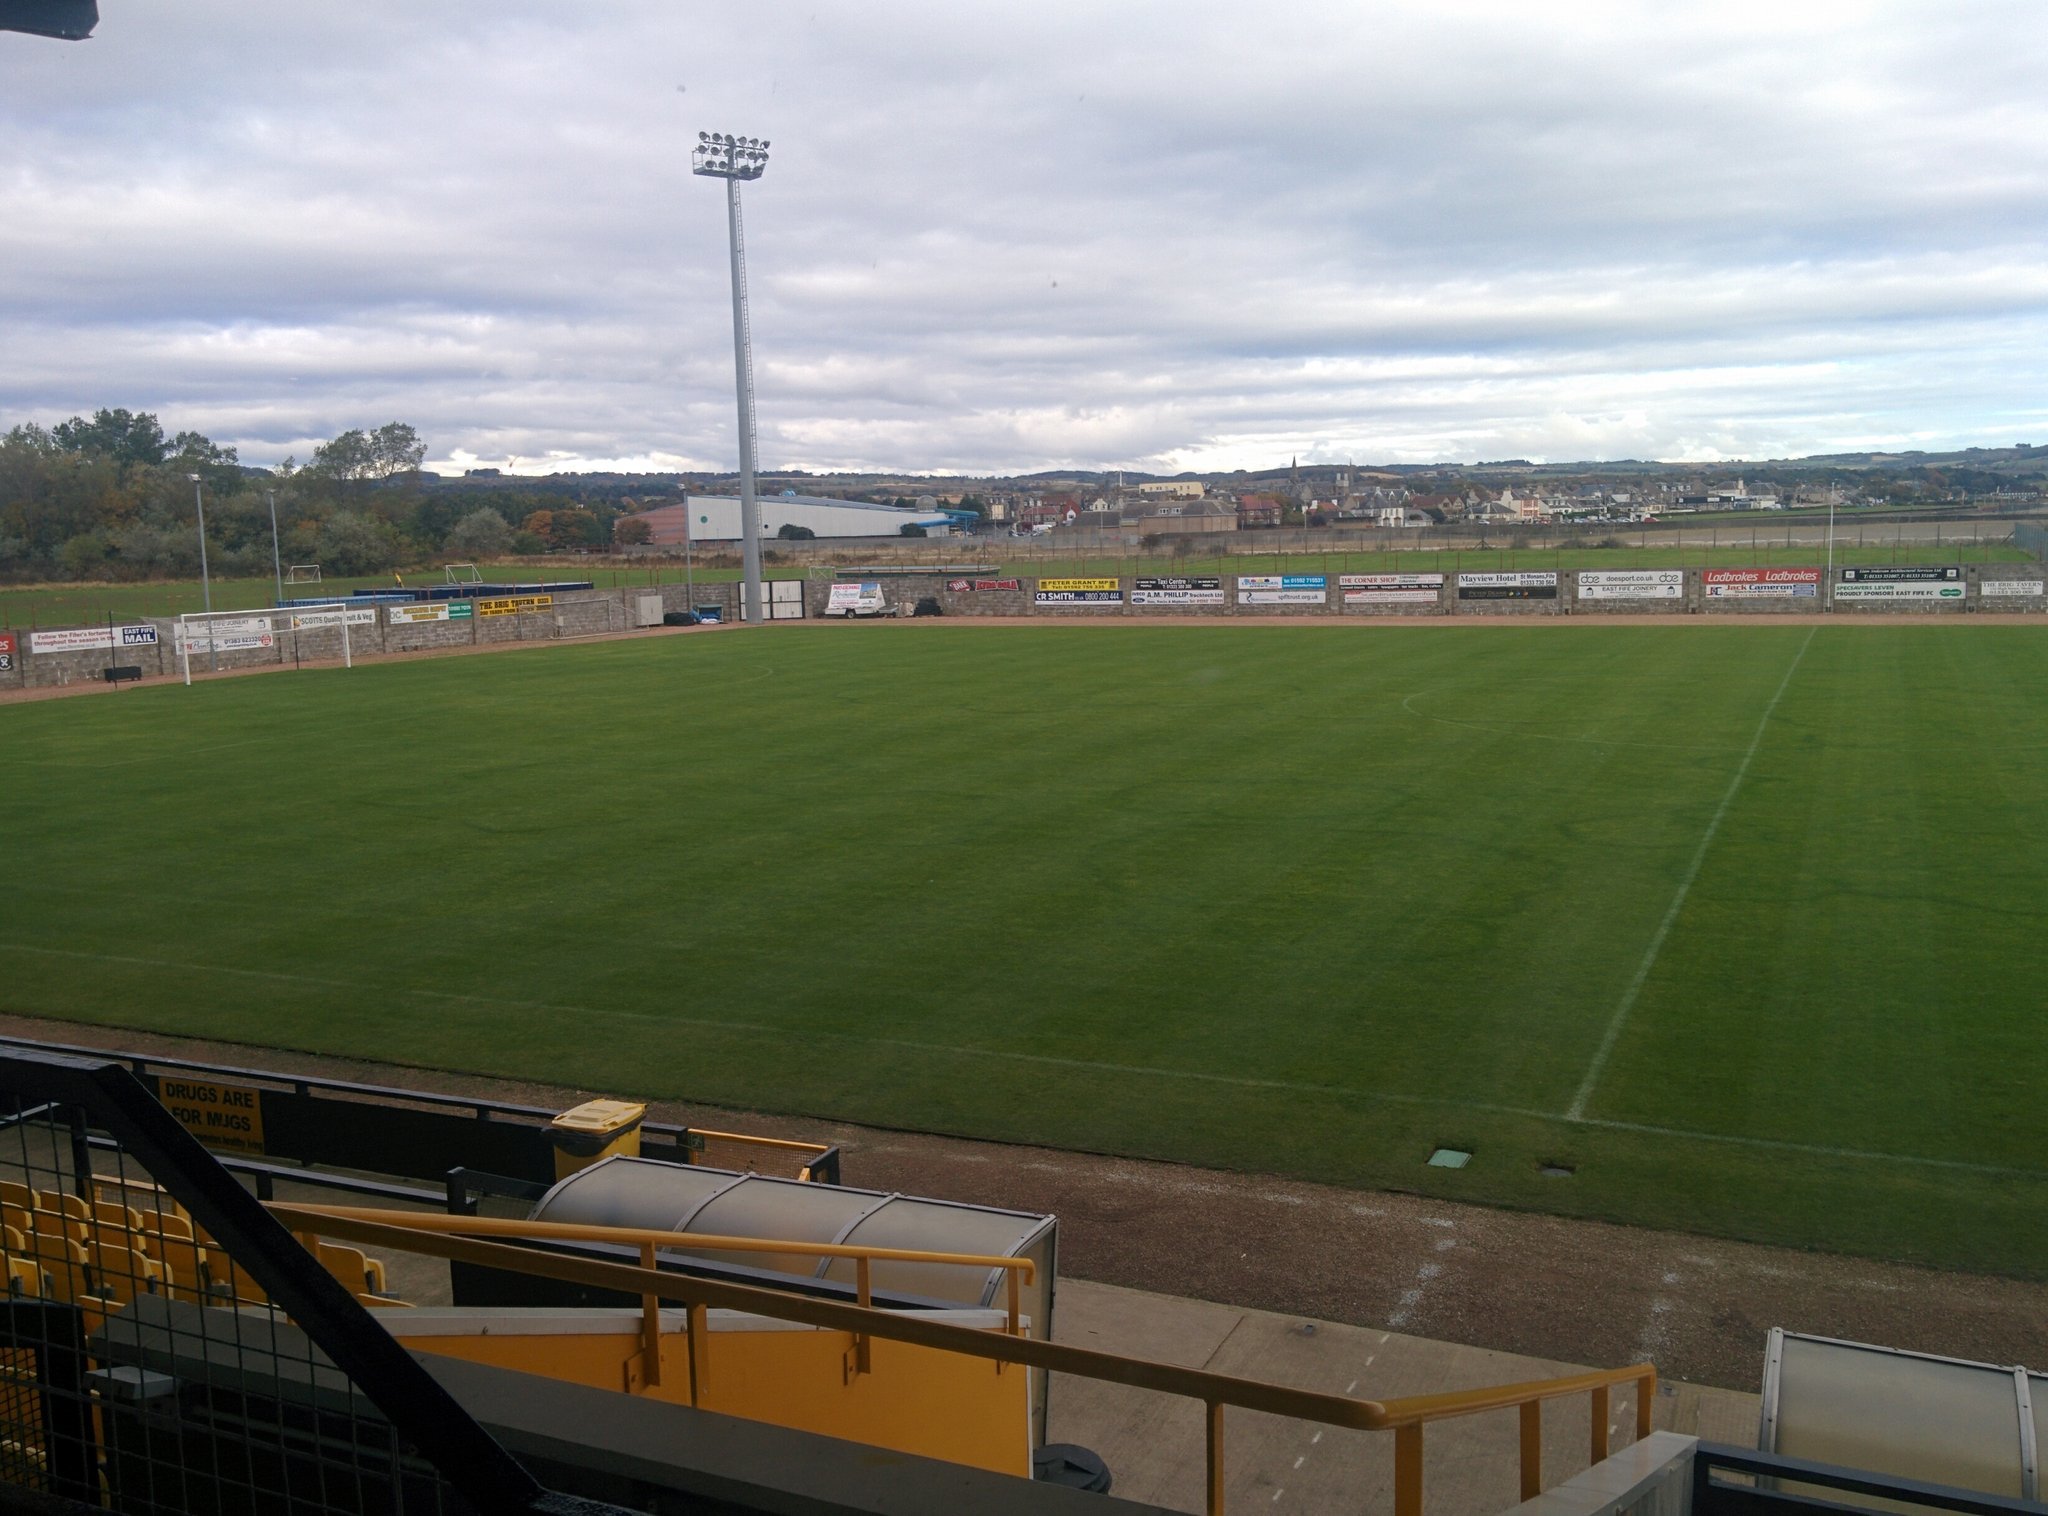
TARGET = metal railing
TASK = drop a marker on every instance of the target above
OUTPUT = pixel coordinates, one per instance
(464, 1239)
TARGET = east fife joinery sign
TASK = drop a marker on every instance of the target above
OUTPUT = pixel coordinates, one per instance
(1943, 582)
(1530, 585)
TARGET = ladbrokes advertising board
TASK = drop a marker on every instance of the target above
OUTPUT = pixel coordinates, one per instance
(1085, 592)
(1760, 584)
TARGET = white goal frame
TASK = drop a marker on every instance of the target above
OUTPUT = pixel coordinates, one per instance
(297, 618)
(302, 573)
(451, 576)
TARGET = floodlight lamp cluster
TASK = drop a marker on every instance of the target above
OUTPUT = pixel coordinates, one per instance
(721, 155)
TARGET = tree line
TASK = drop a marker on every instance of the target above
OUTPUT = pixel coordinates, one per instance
(112, 497)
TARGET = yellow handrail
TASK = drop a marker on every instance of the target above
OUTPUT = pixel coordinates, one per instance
(813, 1148)
(443, 1237)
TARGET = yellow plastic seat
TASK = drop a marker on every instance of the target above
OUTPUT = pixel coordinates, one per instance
(120, 1273)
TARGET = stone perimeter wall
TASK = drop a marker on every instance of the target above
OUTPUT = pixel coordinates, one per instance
(616, 610)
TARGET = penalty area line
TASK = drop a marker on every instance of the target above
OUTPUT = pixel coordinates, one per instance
(1619, 1020)
(1050, 1060)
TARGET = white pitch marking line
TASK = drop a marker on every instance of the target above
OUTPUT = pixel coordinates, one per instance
(1692, 873)
(751, 1028)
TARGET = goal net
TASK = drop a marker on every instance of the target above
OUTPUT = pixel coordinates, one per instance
(302, 573)
(463, 573)
(215, 632)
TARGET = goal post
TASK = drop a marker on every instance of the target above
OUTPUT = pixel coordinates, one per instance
(217, 632)
(302, 573)
(463, 573)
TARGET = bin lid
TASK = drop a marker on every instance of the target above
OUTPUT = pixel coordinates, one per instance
(601, 1116)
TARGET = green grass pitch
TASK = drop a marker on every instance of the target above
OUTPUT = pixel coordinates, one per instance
(1741, 922)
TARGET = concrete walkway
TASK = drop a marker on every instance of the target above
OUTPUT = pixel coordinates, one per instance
(1154, 1444)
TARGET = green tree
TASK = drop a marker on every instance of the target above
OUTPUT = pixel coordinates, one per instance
(127, 439)
(482, 534)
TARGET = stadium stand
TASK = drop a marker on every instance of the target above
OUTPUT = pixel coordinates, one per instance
(190, 1330)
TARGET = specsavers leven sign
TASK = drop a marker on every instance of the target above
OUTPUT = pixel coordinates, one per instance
(1944, 582)
(1632, 584)
(1282, 589)
(1096, 592)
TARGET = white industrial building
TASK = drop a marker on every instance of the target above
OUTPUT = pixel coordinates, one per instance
(716, 519)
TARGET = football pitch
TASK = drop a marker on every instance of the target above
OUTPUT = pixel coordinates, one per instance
(1730, 928)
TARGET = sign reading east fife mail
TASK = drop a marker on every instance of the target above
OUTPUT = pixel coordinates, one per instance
(228, 1116)
(513, 605)
(1940, 582)
(91, 639)
(1530, 584)
(1283, 589)
(1171, 590)
(1391, 589)
(1632, 584)
(1078, 592)
(1760, 584)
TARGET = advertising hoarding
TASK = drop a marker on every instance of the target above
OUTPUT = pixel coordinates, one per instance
(963, 586)
(2010, 589)
(1097, 592)
(90, 638)
(1283, 589)
(1391, 589)
(1527, 584)
(1170, 590)
(1632, 584)
(1760, 584)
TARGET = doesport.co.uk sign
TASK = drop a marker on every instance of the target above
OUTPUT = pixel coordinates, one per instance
(1527, 584)
(1078, 592)
(1391, 589)
(91, 638)
(1171, 590)
(1760, 584)
(1282, 589)
(1632, 584)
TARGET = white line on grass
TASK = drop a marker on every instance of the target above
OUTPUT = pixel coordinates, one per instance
(1619, 1020)
(947, 1050)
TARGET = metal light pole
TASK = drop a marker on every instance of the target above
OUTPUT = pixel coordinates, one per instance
(205, 579)
(1831, 550)
(732, 159)
(276, 558)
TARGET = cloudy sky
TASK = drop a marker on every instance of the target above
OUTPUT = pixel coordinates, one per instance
(999, 237)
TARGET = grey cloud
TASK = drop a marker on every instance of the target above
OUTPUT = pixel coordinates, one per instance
(999, 237)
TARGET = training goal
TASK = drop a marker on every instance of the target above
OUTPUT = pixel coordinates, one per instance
(463, 573)
(302, 573)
